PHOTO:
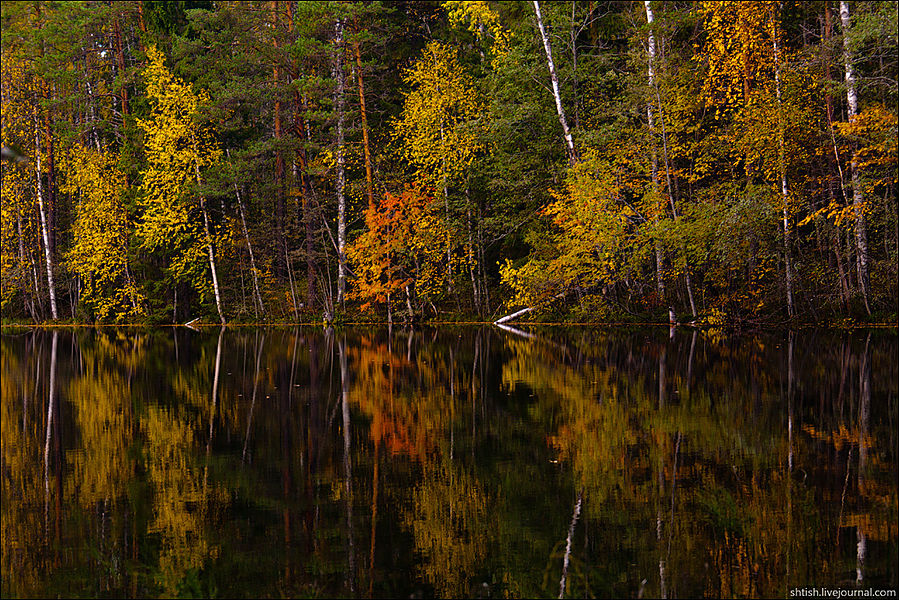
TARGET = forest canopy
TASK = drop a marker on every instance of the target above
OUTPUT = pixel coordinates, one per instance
(734, 162)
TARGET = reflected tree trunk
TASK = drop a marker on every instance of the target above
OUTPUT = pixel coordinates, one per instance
(51, 402)
(347, 464)
(566, 561)
(864, 418)
(215, 396)
(790, 378)
(246, 439)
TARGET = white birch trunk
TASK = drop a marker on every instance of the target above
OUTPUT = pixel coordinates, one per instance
(655, 88)
(650, 71)
(784, 189)
(341, 167)
(858, 200)
(569, 141)
(44, 230)
(210, 252)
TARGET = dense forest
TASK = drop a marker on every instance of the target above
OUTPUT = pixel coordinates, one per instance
(395, 161)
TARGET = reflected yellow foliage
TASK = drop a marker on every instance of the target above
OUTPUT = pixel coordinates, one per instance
(449, 523)
(180, 513)
(101, 468)
(21, 483)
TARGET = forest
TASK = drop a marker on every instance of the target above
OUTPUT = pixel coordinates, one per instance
(282, 161)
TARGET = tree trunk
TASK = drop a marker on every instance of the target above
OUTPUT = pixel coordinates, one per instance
(279, 156)
(246, 235)
(120, 64)
(210, 252)
(858, 200)
(369, 188)
(44, 225)
(671, 190)
(301, 131)
(569, 141)
(784, 189)
(341, 167)
(650, 71)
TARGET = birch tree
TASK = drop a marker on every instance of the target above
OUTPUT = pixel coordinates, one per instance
(560, 110)
(858, 199)
(178, 148)
(341, 162)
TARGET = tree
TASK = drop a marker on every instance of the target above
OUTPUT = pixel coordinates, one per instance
(399, 250)
(745, 73)
(438, 130)
(101, 230)
(554, 78)
(178, 147)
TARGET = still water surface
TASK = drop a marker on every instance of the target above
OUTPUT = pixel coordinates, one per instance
(451, 462)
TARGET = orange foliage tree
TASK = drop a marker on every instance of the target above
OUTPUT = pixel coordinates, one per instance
(399, 250)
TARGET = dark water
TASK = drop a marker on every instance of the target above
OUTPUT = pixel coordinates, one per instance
(449, 462)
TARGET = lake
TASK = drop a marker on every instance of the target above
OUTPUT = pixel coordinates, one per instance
(458, 461)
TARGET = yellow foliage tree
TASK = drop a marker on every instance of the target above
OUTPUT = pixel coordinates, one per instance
(439, 130)
(594, 229)
(480, 19)
(19, 223)
(178, 148)
(100, 252)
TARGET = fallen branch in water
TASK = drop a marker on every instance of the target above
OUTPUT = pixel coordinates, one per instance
(513, 315)
(523, 311)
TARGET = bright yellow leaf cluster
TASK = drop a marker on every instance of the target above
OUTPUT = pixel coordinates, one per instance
(177, 147)
(479, 18)
(100, 252)
(438, 131)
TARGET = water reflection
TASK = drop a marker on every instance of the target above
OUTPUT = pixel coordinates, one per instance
(447, 462)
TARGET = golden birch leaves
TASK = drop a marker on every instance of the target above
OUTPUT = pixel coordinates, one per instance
(177, 146)
(99, 254)
(437, 132)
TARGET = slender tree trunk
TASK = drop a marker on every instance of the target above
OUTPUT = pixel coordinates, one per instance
(650, 70)
(209, 245)
(369, 188)
(569, 141)
(301, 131)
(120, 64)
(27, 300)
(858, 200)
(51, 173)
(44, 225)
(472, 256)
(671, 190)
(279, 155)
(307, 192)
(784, 189)
(246, 235)
(833, 162)
(341, 167)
